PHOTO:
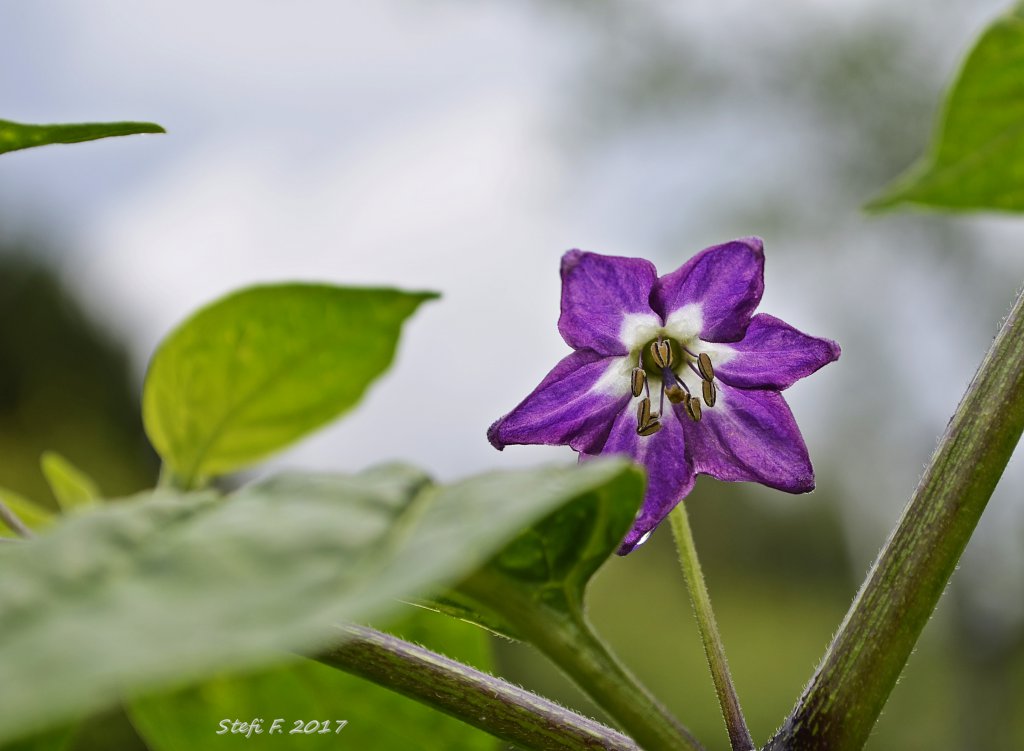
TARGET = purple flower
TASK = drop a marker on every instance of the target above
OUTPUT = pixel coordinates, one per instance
(676, 372)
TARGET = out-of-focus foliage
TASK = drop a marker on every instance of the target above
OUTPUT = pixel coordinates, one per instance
(977, 152)
(64, 386)
(378, 719)
(71, 486)
(31, 514)
(171, 587)
(15, 136)
(258, 369)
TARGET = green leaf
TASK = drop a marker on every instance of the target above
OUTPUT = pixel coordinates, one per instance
(53, 739)
(34, 516)
(171, 588)
(71, 487)
(975, 157)
(14, 136)
(547, 567)
(377, 718)
(256, 370)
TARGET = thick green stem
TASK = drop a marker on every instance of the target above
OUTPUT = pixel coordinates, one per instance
(499, 708)
(739, 736)
(844, 698)
(568, 640)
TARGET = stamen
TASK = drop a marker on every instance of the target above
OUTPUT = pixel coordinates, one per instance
(707, 372)
(692, 408)
(650, 428)
(643, 412)
(661, 351)
(637, 381)
(710, 393)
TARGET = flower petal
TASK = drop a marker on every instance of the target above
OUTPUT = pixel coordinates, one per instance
(775, 355)
(601, 295)
(750, 434)
(570, 406)
(725, 281)
(669, 474)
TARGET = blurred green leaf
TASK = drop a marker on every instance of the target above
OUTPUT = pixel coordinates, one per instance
(974, 161)
(32, 515)
(550, 564)
(54, 739)
(258, 369)
(71, 487)
(377, 718)
(14, 136)
(171, 588)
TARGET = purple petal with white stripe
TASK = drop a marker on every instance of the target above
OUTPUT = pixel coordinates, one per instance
(565, 408)
(775, 355)
(725, 280)
(597, 293)
(669, 474)
(751, 435)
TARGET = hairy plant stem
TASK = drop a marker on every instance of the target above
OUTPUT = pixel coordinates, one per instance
(564, 635)
(491, 704)
(14, 523)
(739, 736)
(844, 698)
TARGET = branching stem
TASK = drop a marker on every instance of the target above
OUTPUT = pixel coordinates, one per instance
(491, 704)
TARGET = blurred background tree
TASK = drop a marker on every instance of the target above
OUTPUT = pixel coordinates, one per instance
(65, 386)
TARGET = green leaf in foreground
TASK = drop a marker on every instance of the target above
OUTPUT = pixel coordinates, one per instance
(15, 136)
(548, 566)
(976, 156)
(70, 486)
(170, 588)
(258, 369)
(305, 690)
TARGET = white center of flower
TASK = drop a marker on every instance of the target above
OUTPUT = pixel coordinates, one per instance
(672, 358)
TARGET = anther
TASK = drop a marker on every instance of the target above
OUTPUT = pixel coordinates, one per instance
(637, 381)
(692, 408)
(675, 394)
(649, 429)
(707, 372)
(710, 393)
(661, 351)
(643, 413)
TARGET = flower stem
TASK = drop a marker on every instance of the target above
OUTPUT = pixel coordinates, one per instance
(491, 704)
(844, 698)
(739, 736)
